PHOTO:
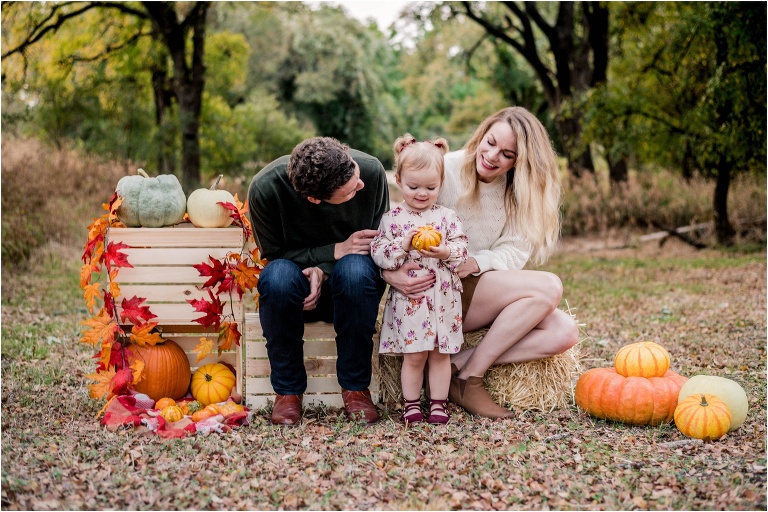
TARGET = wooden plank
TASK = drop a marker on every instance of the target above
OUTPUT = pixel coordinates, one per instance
(180, 314)
(177, 236)
(176, 256)
(256, 402)
(261, 385)
(152, 275)
(312, 348)
(313, 365)
(166, 292)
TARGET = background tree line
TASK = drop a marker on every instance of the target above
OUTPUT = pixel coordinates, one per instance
(202, 88)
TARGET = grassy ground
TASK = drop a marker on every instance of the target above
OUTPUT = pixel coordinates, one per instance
(708, 308)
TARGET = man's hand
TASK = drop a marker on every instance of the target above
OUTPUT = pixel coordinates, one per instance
(316, 278)
(358, 242)
(468, 267)
(404, 280)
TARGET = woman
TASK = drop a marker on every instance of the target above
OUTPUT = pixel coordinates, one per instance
(505, 186)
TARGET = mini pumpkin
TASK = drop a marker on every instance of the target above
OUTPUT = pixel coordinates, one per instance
(703, 416)
(172, 413)
(166, 370)
(230, 407)
(212, 383)
(727, 390)
(204, 414)
(425, 238)
(643, 359)
(164, 402)
(150, 202)
(204, 209)
(605, 394)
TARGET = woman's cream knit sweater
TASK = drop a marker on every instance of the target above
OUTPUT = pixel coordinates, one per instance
(492, 241)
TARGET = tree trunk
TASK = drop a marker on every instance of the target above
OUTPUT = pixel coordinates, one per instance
(579, 158)
(618, 171)
(723, 228)
(166, 159)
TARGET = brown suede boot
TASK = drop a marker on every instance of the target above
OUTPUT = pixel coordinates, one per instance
(472, 396)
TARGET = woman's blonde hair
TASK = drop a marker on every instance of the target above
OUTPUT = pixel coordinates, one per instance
(533, 192)
(419, 155)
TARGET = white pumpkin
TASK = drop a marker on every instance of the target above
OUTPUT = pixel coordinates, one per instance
(727, 390)
(203, 208)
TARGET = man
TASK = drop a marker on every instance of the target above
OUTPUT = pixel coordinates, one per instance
(314, 215)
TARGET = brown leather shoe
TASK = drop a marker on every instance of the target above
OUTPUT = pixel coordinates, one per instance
(473, 397)
(359, 405)
(287, 410)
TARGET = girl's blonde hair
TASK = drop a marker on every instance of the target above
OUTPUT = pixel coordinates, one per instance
(533, 192)
(419, 155)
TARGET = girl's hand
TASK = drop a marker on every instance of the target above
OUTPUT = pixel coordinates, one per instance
(409, 285)
(468, 267)
(441, 252)
(408, 240)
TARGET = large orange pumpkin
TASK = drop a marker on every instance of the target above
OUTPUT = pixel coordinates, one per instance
(643, 359)
(604, 393)
(166, 370)
(212, 383)
(703, 416)
(425, 238)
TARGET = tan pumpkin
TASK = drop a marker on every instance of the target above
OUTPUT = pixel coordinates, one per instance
(727, 390)
(703, 416)
(212, 383)
(166, 370)
(425, 238)
(604, 393)
(150, 202)
(230, 407)
(172, 413)
(203, 208)
(643, 359)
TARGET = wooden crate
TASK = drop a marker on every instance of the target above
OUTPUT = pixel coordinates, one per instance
(164, 275)
(319, 360)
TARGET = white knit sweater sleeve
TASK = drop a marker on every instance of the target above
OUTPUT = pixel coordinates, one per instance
(492, 241)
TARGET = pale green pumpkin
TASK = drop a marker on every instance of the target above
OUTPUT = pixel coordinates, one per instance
(151, 202)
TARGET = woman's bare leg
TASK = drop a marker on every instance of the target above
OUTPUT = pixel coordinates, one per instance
(521, 309)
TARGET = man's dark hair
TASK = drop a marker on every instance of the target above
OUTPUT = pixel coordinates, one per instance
(319, 166)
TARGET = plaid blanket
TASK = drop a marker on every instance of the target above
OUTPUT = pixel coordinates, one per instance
(136, 411)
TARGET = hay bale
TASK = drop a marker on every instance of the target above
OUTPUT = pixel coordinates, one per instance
(542, 385)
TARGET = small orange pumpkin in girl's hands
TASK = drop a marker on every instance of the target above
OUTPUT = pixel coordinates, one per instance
(426, 237)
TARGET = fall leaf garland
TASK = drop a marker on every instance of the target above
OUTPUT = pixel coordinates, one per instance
(118, 368)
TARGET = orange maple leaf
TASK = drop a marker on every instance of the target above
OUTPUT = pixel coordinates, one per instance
(245, 276)
(113, 209)
(228, 334)
(141, 335)
(106, 351)
(203, 349)
(86, 272)
(102, 328)
(137, 369)
(91, 294)
(103, 384)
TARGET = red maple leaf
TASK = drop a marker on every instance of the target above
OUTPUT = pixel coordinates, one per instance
(134, 312)
(117, 358)
(235, 212)
(113, 256)
(213, 310)
(90, 247)
(121, 381)
(217, 273)
(109, 303)
(228, 334)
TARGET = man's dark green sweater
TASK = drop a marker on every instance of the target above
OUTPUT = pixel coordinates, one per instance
(287, 226)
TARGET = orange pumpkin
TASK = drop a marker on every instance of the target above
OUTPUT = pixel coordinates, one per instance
(204, 414)
(172, 413)
(166, 370)
(425, 238)
(604, 393)
(212, 383)
(703, 416)
(643, 359)
(164, 402)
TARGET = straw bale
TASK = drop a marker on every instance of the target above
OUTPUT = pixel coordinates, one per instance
(542, 385)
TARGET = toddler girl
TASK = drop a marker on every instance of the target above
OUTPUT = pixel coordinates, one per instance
(426, 330)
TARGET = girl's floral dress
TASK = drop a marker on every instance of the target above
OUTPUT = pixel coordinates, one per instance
(434, 320)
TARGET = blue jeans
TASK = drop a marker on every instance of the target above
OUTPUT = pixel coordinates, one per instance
(349, 299)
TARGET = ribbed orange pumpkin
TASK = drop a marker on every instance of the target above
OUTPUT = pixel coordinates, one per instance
(643, 359)
(172, 413)
(212, 383)
(166, 370)
(425, 238)
(605, 394)
(703, 416)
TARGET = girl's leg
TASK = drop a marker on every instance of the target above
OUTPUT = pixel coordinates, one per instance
(439, 382)
(411, 377)
(520, 306)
